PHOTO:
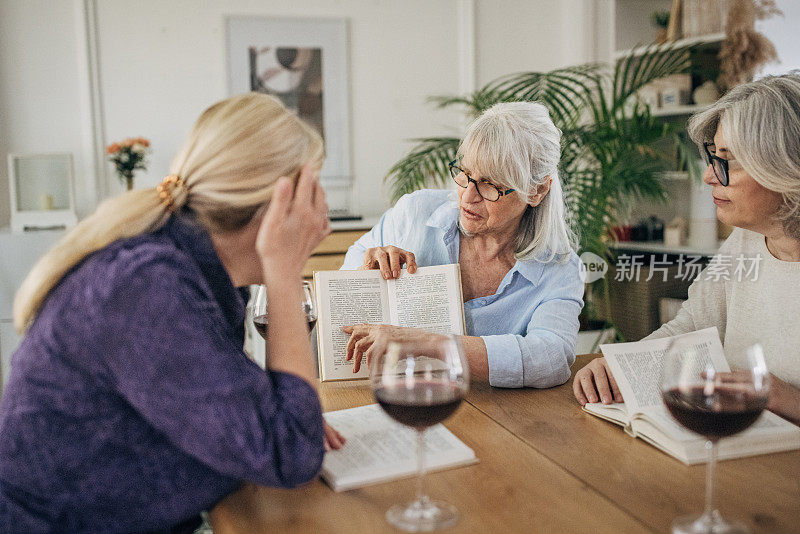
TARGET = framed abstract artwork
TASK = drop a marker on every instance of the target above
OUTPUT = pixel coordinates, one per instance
(304, 63)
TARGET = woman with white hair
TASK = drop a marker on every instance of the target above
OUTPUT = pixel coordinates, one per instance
(751, 141)
(506, 228)
(131, 406)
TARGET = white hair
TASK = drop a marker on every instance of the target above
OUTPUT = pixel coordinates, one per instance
(761, 124)
(519, 147)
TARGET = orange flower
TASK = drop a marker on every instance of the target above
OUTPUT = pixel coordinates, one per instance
(127, 143)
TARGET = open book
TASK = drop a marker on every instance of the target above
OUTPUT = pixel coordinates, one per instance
(379, 449)
(637, 370)
(429, 299)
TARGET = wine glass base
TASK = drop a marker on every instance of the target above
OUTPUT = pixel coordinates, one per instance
(422, 516)
(701, 524)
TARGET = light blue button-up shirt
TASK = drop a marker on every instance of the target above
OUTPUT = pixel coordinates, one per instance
(529, 325)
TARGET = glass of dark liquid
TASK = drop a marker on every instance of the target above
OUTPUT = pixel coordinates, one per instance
(419, 384)
(258, 309)
(715, 404)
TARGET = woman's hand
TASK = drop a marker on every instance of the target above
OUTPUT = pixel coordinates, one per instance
(594, 382)
(784, 400)
(294, 224)
(367, 339)
(389, 260)
(333, 439)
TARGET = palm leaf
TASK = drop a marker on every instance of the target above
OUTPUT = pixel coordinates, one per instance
(636, 70)
(424, 166)
(608, 142)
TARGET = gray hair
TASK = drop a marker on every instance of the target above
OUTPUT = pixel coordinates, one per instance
(519, 147)
(761, 124)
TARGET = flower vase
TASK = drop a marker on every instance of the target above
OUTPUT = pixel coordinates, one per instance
(127, 178)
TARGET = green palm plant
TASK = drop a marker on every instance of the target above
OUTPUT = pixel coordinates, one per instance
(609, 153)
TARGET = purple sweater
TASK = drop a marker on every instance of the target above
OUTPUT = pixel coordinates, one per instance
(131, 406)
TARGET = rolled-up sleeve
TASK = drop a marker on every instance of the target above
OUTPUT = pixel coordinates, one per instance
(176, 365)
(543, 356)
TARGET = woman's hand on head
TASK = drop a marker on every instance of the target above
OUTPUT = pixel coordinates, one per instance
(367, 340)
(294, 224)
(595, 383)
(389, 260)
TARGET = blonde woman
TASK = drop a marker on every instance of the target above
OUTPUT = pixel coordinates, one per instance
(130, 405)
(751, 141)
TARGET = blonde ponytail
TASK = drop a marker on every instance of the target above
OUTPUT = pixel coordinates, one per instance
(228, 166)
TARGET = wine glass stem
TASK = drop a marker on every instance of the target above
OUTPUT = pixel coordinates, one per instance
(711, 505)
(422, 498)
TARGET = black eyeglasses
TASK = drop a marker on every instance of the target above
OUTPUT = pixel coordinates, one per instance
(719, 165)
(486, 190)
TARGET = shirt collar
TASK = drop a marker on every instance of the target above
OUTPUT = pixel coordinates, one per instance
(530, 269)
(193, 239)
(445, 217)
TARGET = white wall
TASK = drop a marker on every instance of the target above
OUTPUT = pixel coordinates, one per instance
(162, 62)
(398, 51)
(44, 89)
(533, 35)
(782, 31)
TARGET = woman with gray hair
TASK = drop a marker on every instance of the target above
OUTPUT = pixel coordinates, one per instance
(751, 141)
(506, 228)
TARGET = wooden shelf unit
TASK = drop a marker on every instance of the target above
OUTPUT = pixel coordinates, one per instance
(329, 255)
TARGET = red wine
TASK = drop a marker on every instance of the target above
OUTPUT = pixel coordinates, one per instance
(721, 414)
(421, 406)
(261, 321)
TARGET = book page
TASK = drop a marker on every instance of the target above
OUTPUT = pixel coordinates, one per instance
(616, 413)
(346, 298)
(380, 449)
(768, 423)
(429, 299)
(637, 366)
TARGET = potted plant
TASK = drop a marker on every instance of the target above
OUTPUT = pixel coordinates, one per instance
(609, 154)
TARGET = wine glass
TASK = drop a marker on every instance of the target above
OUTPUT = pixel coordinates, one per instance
(258, 309)
(420, 383)
(714, 404)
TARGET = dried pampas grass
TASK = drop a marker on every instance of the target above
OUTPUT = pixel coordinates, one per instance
(745, 50)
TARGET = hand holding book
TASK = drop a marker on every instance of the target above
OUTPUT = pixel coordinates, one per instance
(637, 370)
(595, 383)
(389, 260)
(429, 300)
(369, 339)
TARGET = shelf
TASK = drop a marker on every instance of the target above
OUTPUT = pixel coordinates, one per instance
(364, 224)
(658, 247)
(676, 111)
(699, 40)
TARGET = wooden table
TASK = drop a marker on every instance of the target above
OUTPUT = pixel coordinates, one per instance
(545, 466)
